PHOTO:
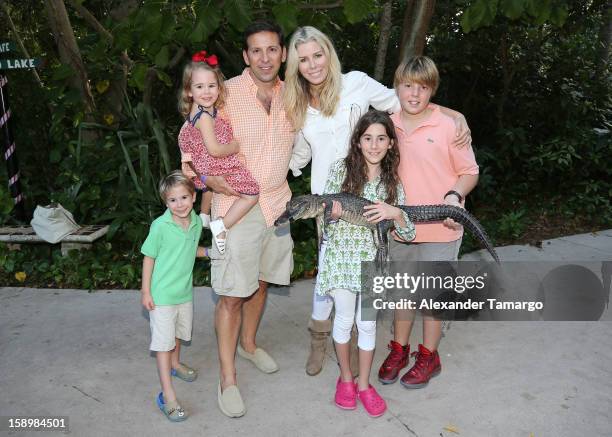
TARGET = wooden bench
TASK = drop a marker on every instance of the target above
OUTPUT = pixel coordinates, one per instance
(81, 239)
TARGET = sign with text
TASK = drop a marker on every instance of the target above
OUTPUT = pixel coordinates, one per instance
(15, 64)
(6, 46)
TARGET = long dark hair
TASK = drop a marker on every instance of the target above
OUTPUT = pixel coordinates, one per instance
(355, 163)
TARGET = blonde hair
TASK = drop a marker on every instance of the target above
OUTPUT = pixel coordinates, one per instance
(184, 101)
(296, 93)
(418, 69)
(172, 180)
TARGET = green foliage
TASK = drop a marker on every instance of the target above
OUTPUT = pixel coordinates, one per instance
(238, 12)
(512, 224)
(286, 16)
(104, 266)
(357, 10)
(6, 203)
(482, 13)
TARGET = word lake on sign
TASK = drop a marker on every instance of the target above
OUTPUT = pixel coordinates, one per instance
(13, 64)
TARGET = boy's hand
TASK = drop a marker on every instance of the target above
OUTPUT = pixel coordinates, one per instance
(380, 211)
(147, 301)
(463, 137)
(449, 222)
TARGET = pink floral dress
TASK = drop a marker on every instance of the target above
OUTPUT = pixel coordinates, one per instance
(193, 149)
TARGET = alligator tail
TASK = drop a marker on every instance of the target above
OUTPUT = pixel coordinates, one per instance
(432, 213)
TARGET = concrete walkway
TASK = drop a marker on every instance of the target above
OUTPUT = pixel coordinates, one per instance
(84, 355)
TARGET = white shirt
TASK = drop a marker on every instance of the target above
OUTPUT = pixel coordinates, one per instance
(326, 139)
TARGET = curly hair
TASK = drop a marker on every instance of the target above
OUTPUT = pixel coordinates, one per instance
(355, 163)
(184, 101)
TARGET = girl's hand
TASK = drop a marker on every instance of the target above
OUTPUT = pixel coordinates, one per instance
(147, 301)
(396, 237)
(451, 199)
(381, 211)
(463, 137)
(336, 211)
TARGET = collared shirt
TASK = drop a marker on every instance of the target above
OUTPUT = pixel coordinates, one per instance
(327, 138)
(174, 251)
(266, 142)
(430, 165)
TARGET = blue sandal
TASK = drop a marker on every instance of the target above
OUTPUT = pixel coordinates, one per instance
(188, 375)
(173, 411)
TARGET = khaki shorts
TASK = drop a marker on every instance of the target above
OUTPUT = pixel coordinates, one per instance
(169, 322)
(253, 253)
(447, 251)
(417, 255)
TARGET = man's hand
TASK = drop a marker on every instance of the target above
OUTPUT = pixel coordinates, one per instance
(147, 301)
(219, 185)
(463, 137)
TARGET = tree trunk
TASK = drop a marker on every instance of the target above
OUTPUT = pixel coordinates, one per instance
(416, 23)
(605, 38)
(383, 40)
(69, 50)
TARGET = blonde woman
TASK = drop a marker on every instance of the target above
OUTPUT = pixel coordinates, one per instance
(324, 105)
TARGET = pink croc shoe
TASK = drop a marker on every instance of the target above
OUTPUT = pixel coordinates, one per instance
(346, 395)
(374, 405)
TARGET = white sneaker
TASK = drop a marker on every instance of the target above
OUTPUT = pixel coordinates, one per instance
(205, 220)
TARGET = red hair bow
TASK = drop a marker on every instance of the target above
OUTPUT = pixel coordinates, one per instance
(201, 57)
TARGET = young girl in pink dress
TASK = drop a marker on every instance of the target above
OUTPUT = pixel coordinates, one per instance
(207, 143)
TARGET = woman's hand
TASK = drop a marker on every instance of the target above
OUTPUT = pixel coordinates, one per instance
(451, 199)
(381, 211)
(463, 136)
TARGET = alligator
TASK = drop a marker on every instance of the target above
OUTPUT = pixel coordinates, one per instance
(312, 205)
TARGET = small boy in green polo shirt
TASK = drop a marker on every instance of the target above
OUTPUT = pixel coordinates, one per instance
(167, 284)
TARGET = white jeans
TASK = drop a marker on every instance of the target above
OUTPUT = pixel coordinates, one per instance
(345, 301)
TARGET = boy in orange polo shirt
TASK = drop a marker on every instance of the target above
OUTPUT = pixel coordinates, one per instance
(432, 171)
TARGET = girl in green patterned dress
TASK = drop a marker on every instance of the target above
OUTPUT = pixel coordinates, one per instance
(370, 171)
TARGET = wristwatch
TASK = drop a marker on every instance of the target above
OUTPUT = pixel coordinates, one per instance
(459, 196)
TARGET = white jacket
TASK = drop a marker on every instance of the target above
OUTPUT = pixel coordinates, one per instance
(326, 139)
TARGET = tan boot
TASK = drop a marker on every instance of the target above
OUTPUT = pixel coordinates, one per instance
(354, 350)
(319, 336)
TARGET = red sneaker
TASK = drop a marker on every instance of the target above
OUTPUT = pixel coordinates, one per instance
(395, 361)
(427, 366)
